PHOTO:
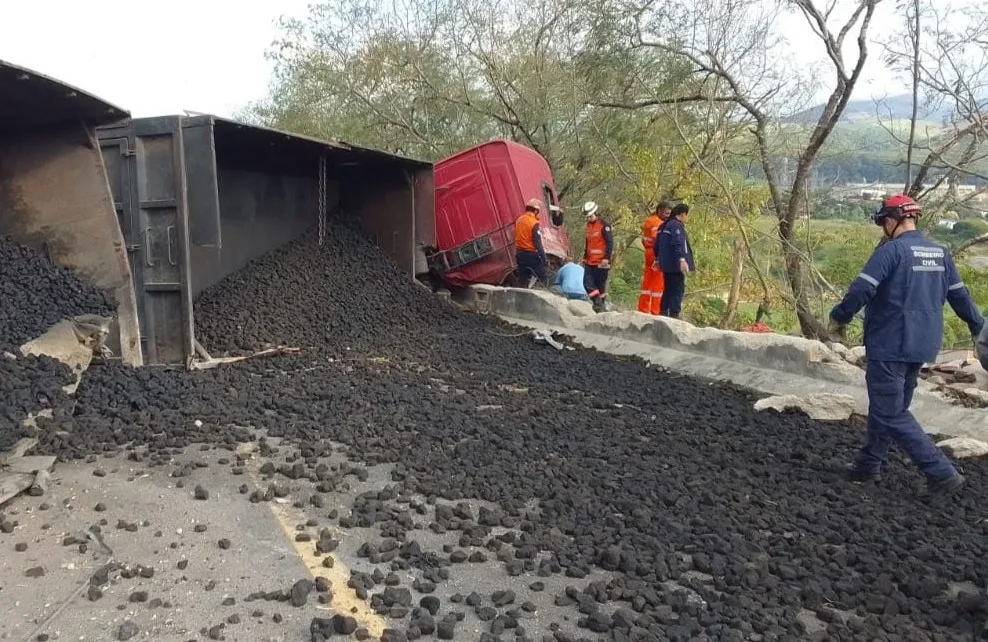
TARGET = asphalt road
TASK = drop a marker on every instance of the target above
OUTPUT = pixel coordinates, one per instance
(197, 585)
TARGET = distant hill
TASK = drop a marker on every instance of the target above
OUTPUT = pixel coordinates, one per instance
(873, 110)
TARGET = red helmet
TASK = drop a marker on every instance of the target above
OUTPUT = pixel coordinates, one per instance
(898, 207)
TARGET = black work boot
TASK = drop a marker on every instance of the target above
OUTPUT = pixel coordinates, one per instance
(939, 489)
(598, 305)
(853, 474)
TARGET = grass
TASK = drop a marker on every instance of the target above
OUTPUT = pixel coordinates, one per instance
(839, 249)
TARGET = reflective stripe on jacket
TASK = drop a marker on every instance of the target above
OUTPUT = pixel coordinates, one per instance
(903, 288)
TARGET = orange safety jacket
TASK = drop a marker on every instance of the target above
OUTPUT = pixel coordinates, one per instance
(650, 230)
(528, 238)
(599, 242)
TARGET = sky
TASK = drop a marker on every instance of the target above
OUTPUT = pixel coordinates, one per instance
(150, 57)
(157, 57)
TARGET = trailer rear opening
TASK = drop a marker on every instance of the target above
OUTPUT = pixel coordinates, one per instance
(54, 195)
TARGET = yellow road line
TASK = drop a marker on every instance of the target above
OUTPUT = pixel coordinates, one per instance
(345, 600)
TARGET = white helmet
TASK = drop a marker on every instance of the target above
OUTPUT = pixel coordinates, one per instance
(589, 208)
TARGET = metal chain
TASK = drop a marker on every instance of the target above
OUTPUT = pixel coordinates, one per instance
(322, 198)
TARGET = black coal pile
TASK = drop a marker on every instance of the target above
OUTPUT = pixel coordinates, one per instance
(36, 294)
(29, 385)
(648, 474)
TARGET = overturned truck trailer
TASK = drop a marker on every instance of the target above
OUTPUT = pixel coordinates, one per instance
(198, 197)
(155, 210)
(54, 194)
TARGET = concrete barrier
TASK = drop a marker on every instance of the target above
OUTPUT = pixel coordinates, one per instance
(781, 353)
(769, 363)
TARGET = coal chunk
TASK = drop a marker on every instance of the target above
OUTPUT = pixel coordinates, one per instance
(431, 604)
(446, 630)
(344, 624)
(395, 596)
(127, 630)
(300, 592)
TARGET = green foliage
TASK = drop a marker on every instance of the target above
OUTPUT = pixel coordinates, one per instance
(969, 229)
(428, 78)
(828, 209)
(706, 310)
(961, 232)
(622, 289)
(619, 121)
(956, 333)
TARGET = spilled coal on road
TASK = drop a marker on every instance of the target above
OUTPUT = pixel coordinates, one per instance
(34, 295)
(647, 474)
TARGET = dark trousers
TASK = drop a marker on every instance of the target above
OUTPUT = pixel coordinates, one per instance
(890, 392)
(672, 297)
(595, 280)
(529, 265)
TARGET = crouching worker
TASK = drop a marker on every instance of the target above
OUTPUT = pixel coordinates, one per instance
(529, 253)
(569, 281)
(903, 288)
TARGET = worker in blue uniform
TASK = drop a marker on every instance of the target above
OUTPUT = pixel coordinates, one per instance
(981, 347)
(569, 281)
(903, 288)
(674, 257)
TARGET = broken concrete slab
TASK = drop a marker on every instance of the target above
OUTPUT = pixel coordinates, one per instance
(978, 373)
(19, 449)
(771, 351)
(979, 396)
(29, 465)
(822, 406)
(19, 473)
(13, 484)
(73, 342)
(856, 355)
(964, 448)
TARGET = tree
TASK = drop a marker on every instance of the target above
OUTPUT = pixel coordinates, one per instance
(942, 52)
(734, 55)
(430, 78)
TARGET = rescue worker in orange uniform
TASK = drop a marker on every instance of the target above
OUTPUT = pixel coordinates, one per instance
(529, 253)
(597, 256)
(650, 297)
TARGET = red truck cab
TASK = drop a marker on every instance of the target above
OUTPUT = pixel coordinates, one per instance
(480, 193)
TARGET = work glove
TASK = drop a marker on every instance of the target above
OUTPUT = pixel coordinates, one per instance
(837, 329)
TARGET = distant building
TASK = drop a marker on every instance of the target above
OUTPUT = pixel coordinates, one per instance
(878, 191)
